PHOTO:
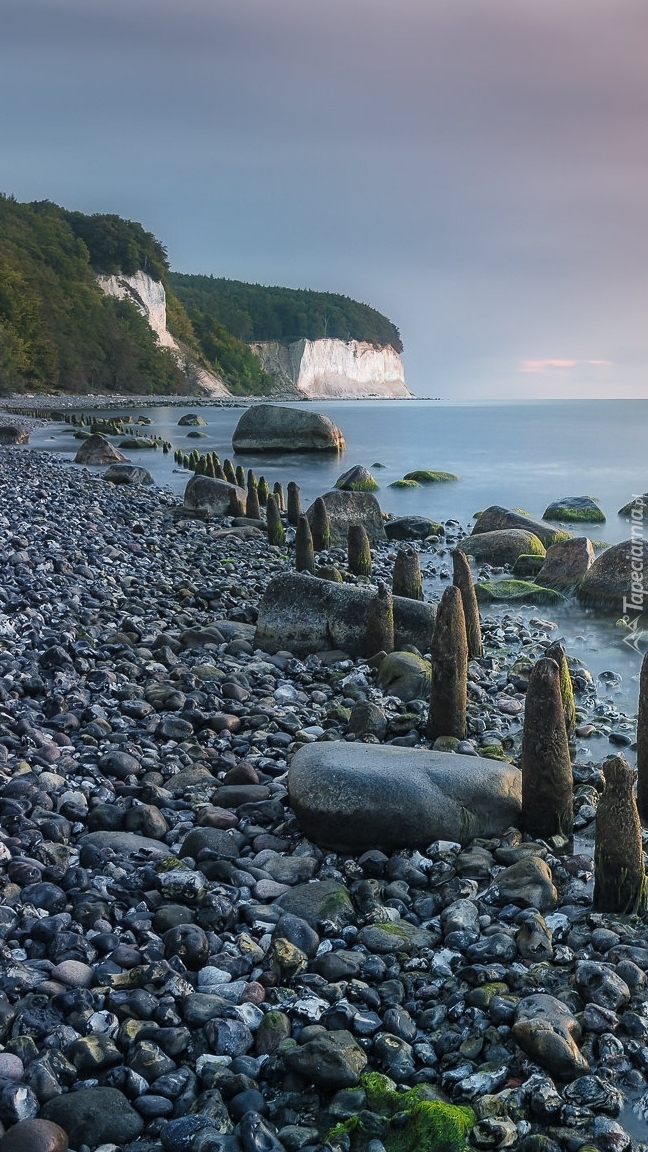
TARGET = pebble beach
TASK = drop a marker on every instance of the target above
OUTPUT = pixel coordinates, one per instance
(181, 969)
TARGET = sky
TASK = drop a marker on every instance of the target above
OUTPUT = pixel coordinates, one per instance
(475, 169)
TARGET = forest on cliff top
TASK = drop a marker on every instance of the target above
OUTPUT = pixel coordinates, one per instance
(60, 332)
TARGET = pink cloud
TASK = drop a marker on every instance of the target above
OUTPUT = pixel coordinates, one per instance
(545, 365)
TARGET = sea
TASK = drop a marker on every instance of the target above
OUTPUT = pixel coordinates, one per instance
(521, 455)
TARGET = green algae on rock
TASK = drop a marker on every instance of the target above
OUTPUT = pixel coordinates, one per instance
(404, 484)
(574, 510)
(414, 1122)
(357, 479)
(429, 476)
(521, 591)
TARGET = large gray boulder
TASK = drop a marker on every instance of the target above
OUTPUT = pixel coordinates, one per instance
(97, 450)
(346, 508)
(302, 614)
(273, 428)
(617, 580)
(566, 564)
(354, 796)
(502, 546)
(496, 519)
(204, 494)
(13, 434)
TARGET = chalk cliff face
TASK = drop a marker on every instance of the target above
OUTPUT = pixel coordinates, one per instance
(335, 369)
(149, 298)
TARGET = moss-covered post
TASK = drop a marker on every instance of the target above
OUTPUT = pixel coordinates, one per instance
(406, 576)
(449, 652)
(358, 550)
(294, 503)
(304, 552)
(642, 743)
(379, 632)
(230, 474)
(547, 804)
(277, 490)
(239, 476)
(236, 505)
(252, 510)
(263, 491)
(619, 873)
(320, 526)
(556, 652)
(218, 472)
(276, 534)
(462, 579)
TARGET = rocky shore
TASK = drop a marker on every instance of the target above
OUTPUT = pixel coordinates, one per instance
(181, 969)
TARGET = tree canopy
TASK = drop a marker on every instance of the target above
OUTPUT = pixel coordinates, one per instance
(254, 312)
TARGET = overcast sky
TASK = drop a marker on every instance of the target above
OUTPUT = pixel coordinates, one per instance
(476, 169)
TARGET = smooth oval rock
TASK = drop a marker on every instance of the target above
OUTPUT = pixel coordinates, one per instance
(355, 796)
(274, 428)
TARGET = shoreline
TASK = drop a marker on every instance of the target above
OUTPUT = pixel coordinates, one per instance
(123, 718)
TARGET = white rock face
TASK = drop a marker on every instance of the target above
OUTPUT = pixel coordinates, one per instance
(335, 369)
(147, 295)
(149, 298)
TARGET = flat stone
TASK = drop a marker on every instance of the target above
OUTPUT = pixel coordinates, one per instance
(355, 796)
(124, 843)
(73, 973)
(398, 936)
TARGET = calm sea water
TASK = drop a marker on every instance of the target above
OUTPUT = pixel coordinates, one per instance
(521, 455)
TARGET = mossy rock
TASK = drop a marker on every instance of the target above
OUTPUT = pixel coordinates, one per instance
(413, 1122)
(575, 510)
(528, 565)
(404, 484)
(520, 591)
(429, 476)
(196, 435)
(137, 442)
(638, 503)
(357, 479)
(502, 547)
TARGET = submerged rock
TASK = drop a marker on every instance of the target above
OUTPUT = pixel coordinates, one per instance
(357, 479)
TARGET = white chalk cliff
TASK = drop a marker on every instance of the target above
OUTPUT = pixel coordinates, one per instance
(149, 298)
(335, 369)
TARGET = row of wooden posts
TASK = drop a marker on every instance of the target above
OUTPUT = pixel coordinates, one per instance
(549, 721)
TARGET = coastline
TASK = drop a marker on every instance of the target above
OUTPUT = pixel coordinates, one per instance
(123, 718)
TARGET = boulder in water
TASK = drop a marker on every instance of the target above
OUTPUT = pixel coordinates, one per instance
(273, 428)
(191, 420)
(495, 519)
(502, 547)
(617, 580)
(566, 564)
(575, 509)
(97, 450)
(412, 528)
(357, 479)
(354, 796)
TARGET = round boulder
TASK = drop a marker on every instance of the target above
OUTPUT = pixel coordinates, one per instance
(273, 428)
(502, 547)
(575, 509)
(191, 420)
(496, 519)
(616, 581)
(354, 796)
(406, 675)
